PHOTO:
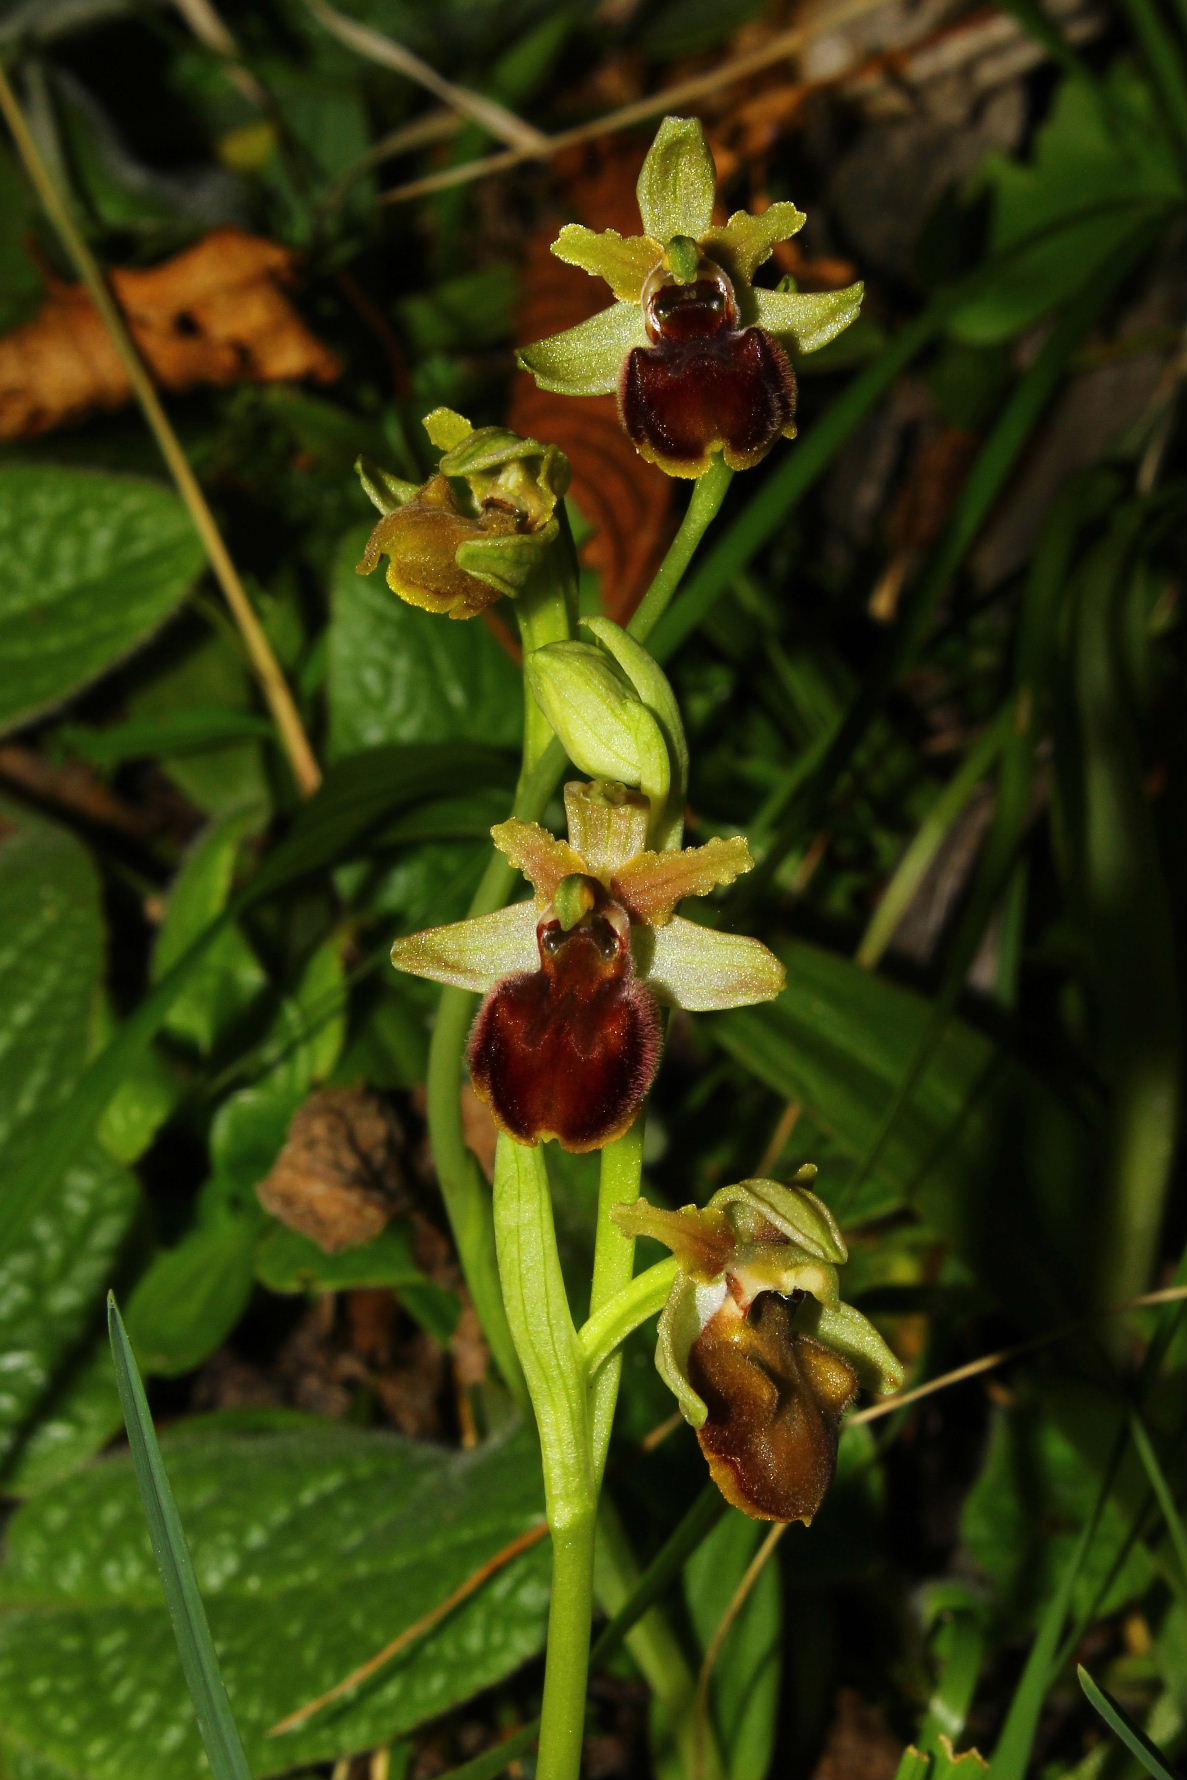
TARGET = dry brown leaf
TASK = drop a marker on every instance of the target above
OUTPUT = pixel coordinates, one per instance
(338, 1178)
(629, 502)
(216, 313)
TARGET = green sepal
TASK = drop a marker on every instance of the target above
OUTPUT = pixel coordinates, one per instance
(745, 242)
(806, 320)
(680, 1323)
(506, 562)
(798, 1214)
(446, 429)
(677, 182)
(383, 488)
(587, 360)
(622, 260)
(604, 727)
(848, 1333)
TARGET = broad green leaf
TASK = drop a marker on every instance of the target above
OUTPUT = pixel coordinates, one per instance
(51, 1281)
(90, 565)
(747, 1672)
(311, 1551)
(78, 1415)
(192, 1295)
(286, 1261)
(400, 675)
(1101, 157)
(52, 1284)
(228, 773)
(230, 976)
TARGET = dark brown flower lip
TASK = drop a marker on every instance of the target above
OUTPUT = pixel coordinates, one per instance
(774, 1398)
(570, 1050)
(733, 391)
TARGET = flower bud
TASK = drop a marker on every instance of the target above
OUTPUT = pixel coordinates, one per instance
(604, 726)
(613, 709)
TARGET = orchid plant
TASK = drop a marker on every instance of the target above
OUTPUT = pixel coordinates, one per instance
(579, 978)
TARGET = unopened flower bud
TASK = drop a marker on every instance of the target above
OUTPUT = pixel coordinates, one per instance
(605, 728)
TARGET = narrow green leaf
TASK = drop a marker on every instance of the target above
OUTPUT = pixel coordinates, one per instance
(1122, 1725)
(1162, 1491)
(194, 1643)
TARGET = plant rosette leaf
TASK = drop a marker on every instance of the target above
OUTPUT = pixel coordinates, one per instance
(51, 952)
(312, 1549)
(394, 678)
(90, 565)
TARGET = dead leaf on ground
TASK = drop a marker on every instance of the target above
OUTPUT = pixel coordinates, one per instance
(338, 1179)
(216, 313)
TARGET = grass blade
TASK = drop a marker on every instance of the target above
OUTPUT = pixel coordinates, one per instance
(194, 1643)
(1162, 1491)
(1122, 1726)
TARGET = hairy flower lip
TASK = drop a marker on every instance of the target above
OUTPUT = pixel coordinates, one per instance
(535, 1021)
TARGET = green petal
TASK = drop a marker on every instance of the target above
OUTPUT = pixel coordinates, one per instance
(446, 429)
(473, 954)
(807, 319)
(505, 562)
(702, 969)
(797, 1213)
(848, 1333)
(741, 247)
(622, 260)
(586, 360)
(678, 181)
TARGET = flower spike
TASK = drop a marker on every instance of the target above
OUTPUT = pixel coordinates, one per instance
(701, 358)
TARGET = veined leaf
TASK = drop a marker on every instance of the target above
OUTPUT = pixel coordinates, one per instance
(90, 565)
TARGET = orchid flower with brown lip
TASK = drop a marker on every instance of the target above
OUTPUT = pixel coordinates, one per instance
(761, 1354)
(567, 1041)
(701, 357)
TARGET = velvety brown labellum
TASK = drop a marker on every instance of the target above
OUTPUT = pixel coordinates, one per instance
(775, 1400)
(703, 385)
(733, 392)
(569, 1050)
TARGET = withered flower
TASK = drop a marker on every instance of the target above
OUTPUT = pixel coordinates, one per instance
(567, 1042)
(761, 1354)
(477, 528)
(700, 357)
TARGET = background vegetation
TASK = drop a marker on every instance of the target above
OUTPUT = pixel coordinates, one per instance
(928, 661)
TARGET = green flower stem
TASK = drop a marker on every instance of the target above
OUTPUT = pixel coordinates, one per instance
(547, 611)
(614, 1262)
(707, 495)
(557, 1382)
(463, 1188)
(622, 1314)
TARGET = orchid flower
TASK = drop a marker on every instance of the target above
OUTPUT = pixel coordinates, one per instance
(701, 358)
(762, 1356)
(567, 1041)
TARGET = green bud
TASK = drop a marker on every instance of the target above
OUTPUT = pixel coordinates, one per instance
(604, 727)
(652, 686)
